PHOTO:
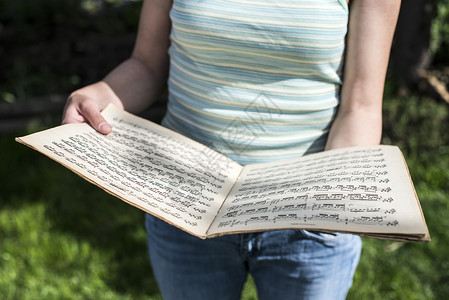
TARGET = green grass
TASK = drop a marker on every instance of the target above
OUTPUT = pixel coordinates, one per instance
(63, 238)
(392, 270)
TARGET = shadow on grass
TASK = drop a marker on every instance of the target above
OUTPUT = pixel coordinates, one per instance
(81, 210)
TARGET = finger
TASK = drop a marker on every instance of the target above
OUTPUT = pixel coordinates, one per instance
(91, 112)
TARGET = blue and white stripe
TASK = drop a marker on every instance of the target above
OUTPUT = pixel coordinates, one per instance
(256, 80)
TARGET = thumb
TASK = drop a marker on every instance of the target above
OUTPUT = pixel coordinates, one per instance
(85, 110)
(92, 114)
(104, 127)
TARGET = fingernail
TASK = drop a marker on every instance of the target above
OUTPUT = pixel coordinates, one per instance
(104, 127)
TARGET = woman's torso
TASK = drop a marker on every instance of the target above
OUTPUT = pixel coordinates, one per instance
(256, 80)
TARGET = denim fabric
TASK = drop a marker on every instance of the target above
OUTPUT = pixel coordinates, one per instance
(286, 264)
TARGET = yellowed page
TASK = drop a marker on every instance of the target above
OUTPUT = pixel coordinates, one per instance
(361, 190)
(145, 165)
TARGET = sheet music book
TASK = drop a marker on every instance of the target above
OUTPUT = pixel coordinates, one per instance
(363, 190)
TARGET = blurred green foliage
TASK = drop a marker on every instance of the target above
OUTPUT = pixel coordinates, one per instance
(62, 238)
(440, 33)
(36, 20)
(52, 47)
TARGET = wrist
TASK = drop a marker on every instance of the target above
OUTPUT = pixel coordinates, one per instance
(359, 127)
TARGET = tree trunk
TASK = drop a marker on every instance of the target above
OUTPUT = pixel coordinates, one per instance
(411, 47)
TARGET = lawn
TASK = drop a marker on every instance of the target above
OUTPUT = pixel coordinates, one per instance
(63, 238)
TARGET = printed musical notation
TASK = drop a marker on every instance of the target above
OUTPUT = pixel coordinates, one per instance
(345, 189)
(308, 211)
(309, 220)
(147, 165)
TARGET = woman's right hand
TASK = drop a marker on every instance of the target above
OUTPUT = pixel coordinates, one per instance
(85, 105)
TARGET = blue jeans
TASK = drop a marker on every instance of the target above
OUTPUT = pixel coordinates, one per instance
(285, 264)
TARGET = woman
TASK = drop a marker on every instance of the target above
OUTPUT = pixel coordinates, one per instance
(257, 81)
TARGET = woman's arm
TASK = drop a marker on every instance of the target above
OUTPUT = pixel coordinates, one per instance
(135, 83)
(359, 118)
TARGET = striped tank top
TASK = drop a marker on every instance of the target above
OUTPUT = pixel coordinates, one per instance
(257, 80)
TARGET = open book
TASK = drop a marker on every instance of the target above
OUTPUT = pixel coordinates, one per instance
(365, 190)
